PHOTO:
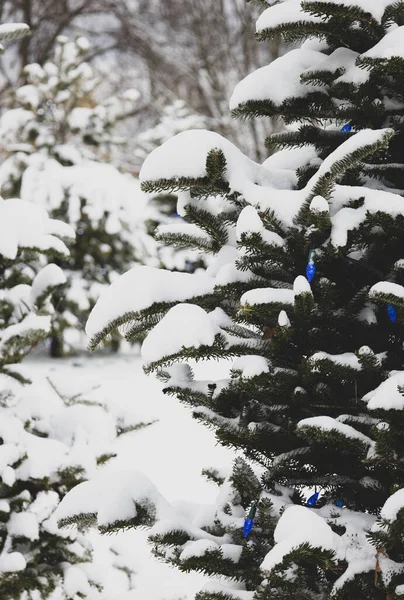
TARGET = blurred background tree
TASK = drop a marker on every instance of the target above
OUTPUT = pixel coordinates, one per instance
(169, 49)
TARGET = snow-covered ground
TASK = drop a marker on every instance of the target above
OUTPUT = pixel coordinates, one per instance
(171, 452)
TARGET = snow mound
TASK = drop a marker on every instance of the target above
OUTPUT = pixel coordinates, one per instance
(141, 287)
(299, 525)
(287, 12)
(329, 424)
(251, 365)
(393, 505)
(387, 396)
(112, 497)
(184, 326)
(267, 296)
(23, 224)
(48, 278)
(279, 80)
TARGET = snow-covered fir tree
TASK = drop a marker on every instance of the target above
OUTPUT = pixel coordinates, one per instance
(59, 146)
(305, 298)
(48, 442)
(34, 471)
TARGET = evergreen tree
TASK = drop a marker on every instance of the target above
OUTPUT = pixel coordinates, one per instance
(57, 145)
(315, 394)
(48, 443)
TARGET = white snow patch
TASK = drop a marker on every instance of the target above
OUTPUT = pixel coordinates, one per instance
(267, 296)
(184, 326)
(251, 365)
(392, 506)
(23, 524)
(301, 286)
(299, 525)
(329, 424)
(279, 80)
(141, 287)
(387, 287)
(48, 278)
(319, 205)
(12, 562)
(112, 496)
(287, 12)
(387, 396)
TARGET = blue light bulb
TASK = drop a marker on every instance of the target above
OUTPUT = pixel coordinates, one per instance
(339, 503)
(313, 499)
(391, 311)
(248, 525)
(310, 271)
(346, 127)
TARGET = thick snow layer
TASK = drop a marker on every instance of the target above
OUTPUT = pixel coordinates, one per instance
(139, 288)
(248, 222)
(23, 224)
(279, 80)
(361, 139)
(188, 152)
(329, 424)
(393, 505)
(387, 288)
(283, 319)
(47, 279)
(112, 497)
(291, 158)
(347, 359)
(392, 44)
(184, 326)
(387, 395)
(301, 286)
(198, 548)
(185, 154)
(341, 58)
(347, 219)
(267, 296)
(75, 582)
(319, 205)
(250, 365)
(287, 12)
(12, 30)
(23, 524)
(12, 562)
(299, 525)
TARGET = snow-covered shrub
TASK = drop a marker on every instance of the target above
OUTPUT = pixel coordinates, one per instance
(57, 145)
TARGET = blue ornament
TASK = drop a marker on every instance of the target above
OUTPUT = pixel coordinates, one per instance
(176, 215)
(249, 520)
(313, 499)
(339, 503)
(346, 127)
(310, 271)
(391, 311)
(248, 525)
